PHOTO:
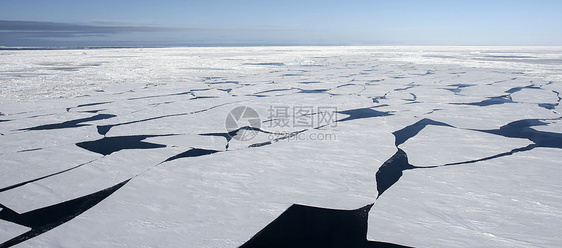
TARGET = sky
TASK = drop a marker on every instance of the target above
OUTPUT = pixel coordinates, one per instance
(290, 22)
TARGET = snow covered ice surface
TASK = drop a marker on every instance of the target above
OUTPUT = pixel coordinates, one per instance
(433, 146)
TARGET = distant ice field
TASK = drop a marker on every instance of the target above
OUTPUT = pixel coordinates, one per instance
(206, 147)
(37, 74)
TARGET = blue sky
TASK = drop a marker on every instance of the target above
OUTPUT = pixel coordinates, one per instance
(288, 22)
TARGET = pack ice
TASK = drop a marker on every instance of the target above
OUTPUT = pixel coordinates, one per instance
(281, 147)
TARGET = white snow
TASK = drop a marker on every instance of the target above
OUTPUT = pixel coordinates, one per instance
(9, 230)
(223, 199)
(509, 202)
(454, 146)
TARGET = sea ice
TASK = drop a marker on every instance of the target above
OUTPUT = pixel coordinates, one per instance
(455, 146)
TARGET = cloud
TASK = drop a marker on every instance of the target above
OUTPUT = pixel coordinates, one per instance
(55, 28)
(36, 33)
(23, 33)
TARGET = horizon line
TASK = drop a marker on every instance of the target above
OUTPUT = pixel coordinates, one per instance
(245, 45)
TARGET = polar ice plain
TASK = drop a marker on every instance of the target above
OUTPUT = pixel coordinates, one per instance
(455, 146)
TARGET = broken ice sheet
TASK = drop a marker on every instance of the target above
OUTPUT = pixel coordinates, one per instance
(224, 198)
(512, 201)
(22, 166)
(236, 193)
(102, 173)
(9, 230)
(439, 145)
(535, 96)
(489, 117)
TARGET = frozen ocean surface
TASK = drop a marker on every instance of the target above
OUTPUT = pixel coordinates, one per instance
(281, 147)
